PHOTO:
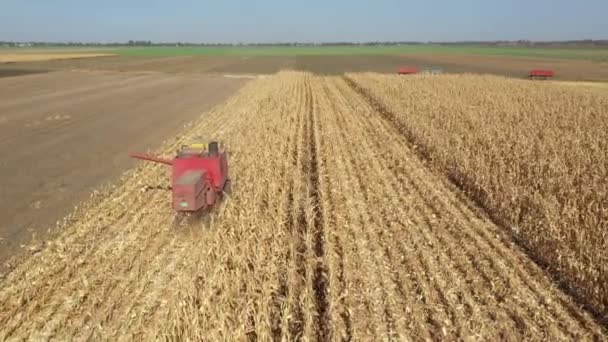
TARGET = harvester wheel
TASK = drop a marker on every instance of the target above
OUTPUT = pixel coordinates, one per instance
(227, 187)
(211, 197)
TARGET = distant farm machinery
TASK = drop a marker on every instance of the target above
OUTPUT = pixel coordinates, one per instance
(535, 74)
(540, 74)
(408, 70)
(432, 71)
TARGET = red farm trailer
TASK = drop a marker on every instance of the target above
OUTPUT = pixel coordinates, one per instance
(407, 71)
(538, 74)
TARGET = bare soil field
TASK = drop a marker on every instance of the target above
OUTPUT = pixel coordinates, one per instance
(11, 72)
(336, 230)
(180, 64)
(64, 133)
(517, 67)
(256, 65)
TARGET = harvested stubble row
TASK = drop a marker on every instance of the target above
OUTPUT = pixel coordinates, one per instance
(335, 231)
(534, 155)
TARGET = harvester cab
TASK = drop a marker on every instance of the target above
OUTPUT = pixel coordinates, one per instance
(200, 149)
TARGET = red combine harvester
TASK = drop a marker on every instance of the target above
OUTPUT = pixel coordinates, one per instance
(199, 175)
(538, 74)
(407, 71)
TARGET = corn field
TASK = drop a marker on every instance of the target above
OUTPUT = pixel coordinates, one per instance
(342, 225)
(535, 156)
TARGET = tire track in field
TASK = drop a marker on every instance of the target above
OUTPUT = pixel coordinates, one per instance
(277, 316)
(320, 276)
(307, 163)
(297, 221)
(339, 314)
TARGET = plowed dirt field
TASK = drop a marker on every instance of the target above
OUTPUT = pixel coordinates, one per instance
(335, 230)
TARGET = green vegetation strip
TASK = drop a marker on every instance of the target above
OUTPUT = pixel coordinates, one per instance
(594, 54)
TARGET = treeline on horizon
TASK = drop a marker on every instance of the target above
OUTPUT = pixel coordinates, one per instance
(145, 43)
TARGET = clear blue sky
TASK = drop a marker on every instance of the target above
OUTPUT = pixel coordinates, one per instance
(310, 20)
